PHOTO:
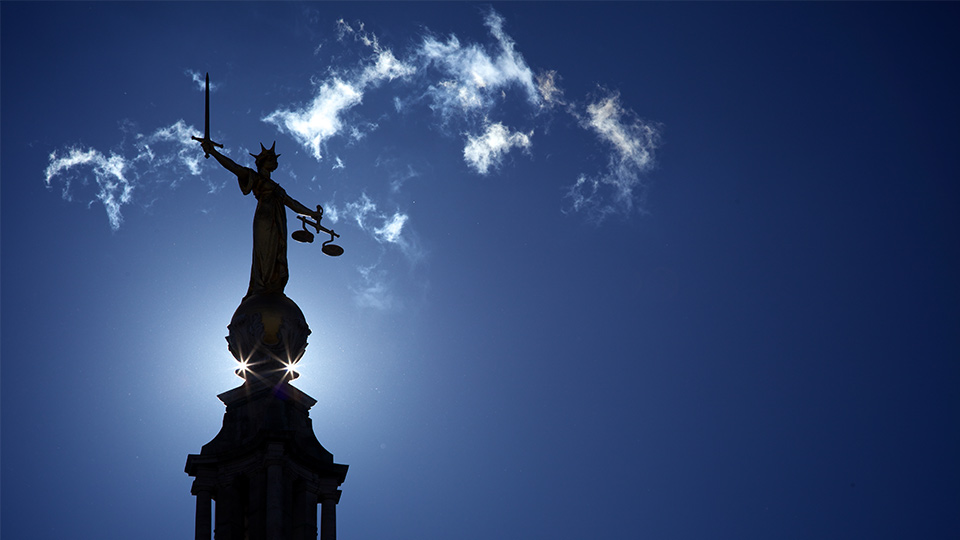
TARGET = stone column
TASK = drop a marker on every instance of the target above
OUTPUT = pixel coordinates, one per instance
(305, 501)
(204, 517)
(256, 506)
(274, 492)
(328, 519)
(226, 513)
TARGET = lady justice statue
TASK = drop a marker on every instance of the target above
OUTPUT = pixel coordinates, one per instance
(269, 272)
(268, 333)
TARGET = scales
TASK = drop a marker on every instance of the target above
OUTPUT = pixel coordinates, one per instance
(305, 236)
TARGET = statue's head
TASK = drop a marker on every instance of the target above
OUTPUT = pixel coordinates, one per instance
(267, 158)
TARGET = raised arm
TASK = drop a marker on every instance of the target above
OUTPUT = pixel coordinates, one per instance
(227, 163)
(243, 173)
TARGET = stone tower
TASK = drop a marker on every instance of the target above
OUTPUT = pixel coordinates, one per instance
(266, 471)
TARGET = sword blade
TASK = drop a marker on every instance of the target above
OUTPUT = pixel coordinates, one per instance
(206, 111)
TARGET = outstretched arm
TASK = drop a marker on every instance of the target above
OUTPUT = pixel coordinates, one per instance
(299, 208)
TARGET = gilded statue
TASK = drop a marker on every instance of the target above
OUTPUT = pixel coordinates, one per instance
(269, 272)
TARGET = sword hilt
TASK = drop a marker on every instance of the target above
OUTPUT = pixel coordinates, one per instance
(201, 140)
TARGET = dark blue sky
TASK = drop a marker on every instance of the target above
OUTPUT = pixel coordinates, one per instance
(615, 270)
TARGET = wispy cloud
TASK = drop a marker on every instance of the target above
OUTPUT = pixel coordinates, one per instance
(385, 228)
(476, 85)
(323, 117)
(480, 86)
(550, 92)
(374, 290)
(633, 142)
(200, 80)
(471, 83)
(471, 78)
(390, 231)
(174, 145)
(487, 149)
(357, 211)
(114, 189)
(164, 156)
(399, 177)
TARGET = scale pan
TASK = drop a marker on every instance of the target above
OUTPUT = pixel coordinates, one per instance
(332, 250)
(303, 236)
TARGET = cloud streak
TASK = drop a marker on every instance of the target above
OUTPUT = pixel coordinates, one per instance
(389, 231)
(114, 189)
(165, 156)
(632, 141)
(386, 229)
(323, 117)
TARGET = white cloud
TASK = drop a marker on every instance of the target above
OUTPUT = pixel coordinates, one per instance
(390, 232)
(178, 136)
(389, 229)
(320, 120)
(314, 124)
(549, 91)
(386, 68)
(330, 212)
(477, 83)
(360, 211)
(163, 157)
(471, 78)
(110, 172)
(364, 211)
(633, 142)
(487, 149)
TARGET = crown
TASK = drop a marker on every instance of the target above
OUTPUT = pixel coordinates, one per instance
(266, 153)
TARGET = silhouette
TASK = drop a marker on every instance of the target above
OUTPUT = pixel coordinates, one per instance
(269, 272)
(265, 469)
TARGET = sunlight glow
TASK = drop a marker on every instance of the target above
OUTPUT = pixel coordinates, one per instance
(242, 369)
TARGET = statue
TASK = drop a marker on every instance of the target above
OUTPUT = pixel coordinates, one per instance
(268, 332)
(268, 273)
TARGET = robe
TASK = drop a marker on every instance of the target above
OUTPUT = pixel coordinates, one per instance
(269, 272)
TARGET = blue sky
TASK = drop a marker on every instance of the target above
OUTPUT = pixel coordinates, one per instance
(612, 270)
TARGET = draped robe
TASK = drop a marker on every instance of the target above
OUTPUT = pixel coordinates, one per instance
(269, 272)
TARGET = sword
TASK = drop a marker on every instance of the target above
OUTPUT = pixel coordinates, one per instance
(206, 120)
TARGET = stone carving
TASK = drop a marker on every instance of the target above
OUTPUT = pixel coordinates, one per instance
(268, 336)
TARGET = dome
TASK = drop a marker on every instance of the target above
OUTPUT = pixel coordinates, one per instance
(268, 336)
